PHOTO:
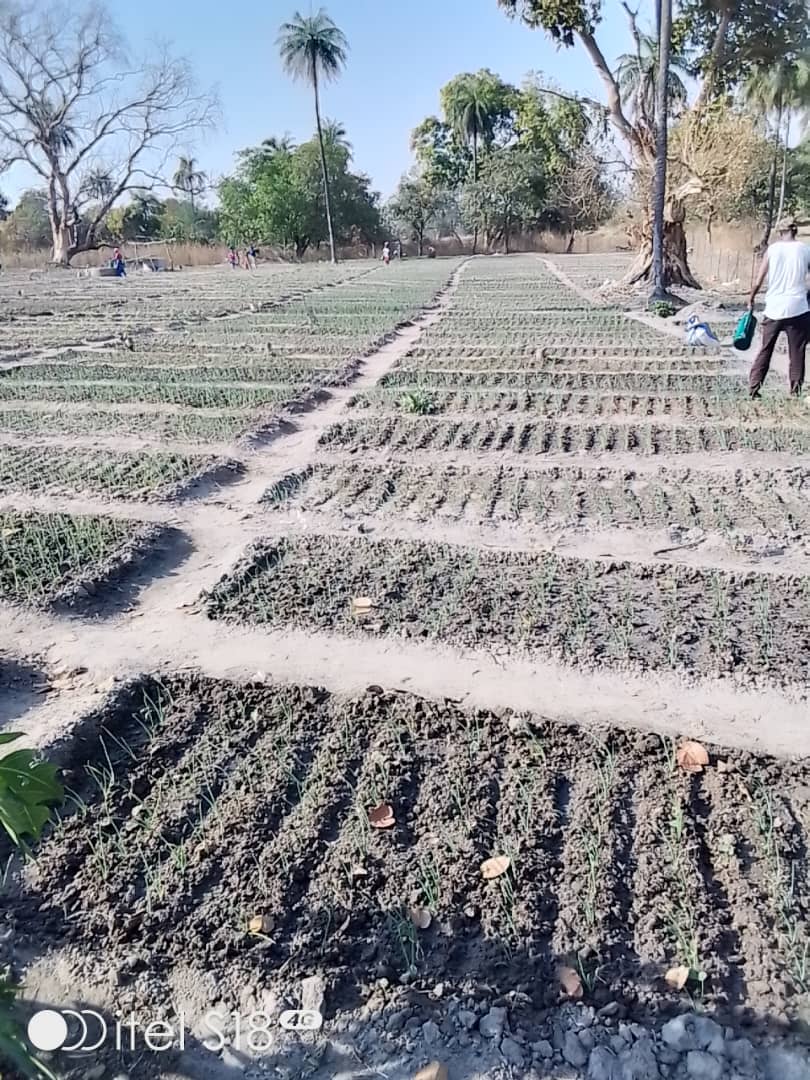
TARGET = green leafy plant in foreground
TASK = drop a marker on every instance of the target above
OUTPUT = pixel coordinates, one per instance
(28, 788)
(418, 401)
(14, 1048)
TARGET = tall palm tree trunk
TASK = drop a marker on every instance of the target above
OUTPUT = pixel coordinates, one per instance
(783, 181)
(771, 203)
(327, 198)
(475, 179)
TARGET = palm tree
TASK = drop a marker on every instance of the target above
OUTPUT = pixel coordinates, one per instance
(472, 105)
(637, 77)
(779, 90)
(334, 134)
(188, 178)
(98, 184)
(312, 48)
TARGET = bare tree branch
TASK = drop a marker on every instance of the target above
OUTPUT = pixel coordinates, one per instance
(70, 106)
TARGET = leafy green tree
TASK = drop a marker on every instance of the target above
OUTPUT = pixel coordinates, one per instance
(799, 177)
(277, 197)
(184, 223)
(28, 225)
(556, 127)
(140, 219)
(636, 74)
(779, 90)
(313, 48)
(509, 195)
(444, 160)
(415, 207)
(715, 39)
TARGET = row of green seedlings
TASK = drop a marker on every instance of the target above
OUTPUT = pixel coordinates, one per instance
(203, 396)
(785, 872)
(713, 385)
(427, 402)
(163, 428)
(546, 437)
(125, 475)
(581, 610)
(165, 831)
(683, 917)
(40, 553)
(166, 374)
(570, 495)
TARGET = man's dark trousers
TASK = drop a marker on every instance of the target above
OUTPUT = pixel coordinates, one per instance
(797, 330)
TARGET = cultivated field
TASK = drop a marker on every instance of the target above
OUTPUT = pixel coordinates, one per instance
(322, 608)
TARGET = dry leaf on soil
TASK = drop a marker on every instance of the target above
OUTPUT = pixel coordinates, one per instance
(382, 816)
(420, 917)
(434, 1071)
(362, 605)
(692, 756)
(260, 924)
(494, 867)
(677, 977)
(570, 982)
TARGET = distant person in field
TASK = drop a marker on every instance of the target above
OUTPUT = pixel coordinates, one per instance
(250, 255)
(785, 264)
(233, 258)
(118, 263)
(386, 253)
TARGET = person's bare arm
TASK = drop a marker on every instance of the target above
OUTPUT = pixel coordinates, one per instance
(762, 273)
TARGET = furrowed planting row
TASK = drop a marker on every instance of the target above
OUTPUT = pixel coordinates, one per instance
(384, 298)
(654, 617)
(64, 558)
(154, 426)
(714, 384)
(547, 437)
(681, 406)
(776, 501)
(57, 471)
(533, 356)
(614, 858)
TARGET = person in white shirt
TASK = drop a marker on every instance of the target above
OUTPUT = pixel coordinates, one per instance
(785, 264)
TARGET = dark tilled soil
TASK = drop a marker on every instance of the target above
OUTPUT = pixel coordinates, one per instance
(762, 499)
(549, 437)
(198, 805)
(654, 616)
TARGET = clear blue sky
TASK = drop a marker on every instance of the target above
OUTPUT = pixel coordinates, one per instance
(402, 52)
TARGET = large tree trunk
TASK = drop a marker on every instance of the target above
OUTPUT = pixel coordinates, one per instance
(664, 9)
(62, 249)
(676, 264)
(327, 198)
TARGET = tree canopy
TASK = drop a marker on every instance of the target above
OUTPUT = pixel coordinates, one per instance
(276, 197)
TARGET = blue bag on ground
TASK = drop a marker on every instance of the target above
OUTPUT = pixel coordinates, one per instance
(744, 333)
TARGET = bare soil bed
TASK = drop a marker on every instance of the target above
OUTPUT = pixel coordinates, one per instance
(621, 864)
(661, 616)
(524, 496)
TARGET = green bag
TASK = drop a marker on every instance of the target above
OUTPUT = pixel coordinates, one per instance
(744, 332)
